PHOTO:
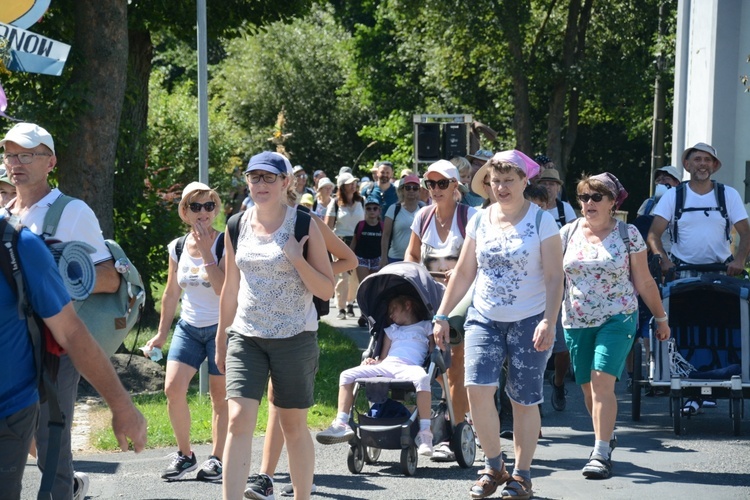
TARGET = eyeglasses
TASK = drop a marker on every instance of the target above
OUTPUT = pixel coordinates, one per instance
(267, 178)
(23, 158)
(372, 208)
(411, 187)
(209, 206)
(595, 197)
(301, 176)
(442, 184)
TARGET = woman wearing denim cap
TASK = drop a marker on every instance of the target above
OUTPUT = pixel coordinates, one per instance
(268, 316)
(195, 278)
(600, 309)
(513, 252)
(436, 240)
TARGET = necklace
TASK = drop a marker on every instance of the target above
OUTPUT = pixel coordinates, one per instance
(511, 220)
(438, 218)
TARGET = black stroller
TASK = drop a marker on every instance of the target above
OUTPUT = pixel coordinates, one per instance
(373, 434)
(709, 353)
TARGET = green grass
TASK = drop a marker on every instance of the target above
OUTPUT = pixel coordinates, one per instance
(337, 352)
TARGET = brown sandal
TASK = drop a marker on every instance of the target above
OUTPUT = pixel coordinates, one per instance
(517, 488)
(489, 480)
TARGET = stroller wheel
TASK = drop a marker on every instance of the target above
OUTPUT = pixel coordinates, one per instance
(371, 455)
(409, 460)
(463, 445)
(356, 459)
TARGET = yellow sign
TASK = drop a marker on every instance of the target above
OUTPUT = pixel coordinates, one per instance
(22, 13)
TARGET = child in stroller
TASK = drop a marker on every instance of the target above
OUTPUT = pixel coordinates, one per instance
(405, 346)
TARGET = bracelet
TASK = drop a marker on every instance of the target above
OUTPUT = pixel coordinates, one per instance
(662, 320)
(212, 263)
(439, 317)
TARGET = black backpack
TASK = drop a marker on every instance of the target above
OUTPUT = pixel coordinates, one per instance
(46, 352)
(301, 229)
(721, 206)
(180, 245)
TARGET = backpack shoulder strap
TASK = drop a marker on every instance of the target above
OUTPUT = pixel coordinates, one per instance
(721, 202)
(539, 219)
(679, 207)
(463, 218)
(52, 217)
(233, 228)
(396, 210)
(302, 226)
(560, 213)
(360, 227)
(650, 203)
(219, 247)
(623, 229)
(426, 219)
(569, 235)
(179, 246)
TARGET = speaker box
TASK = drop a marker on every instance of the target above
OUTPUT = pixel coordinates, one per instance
(454, 140)
(428, 141)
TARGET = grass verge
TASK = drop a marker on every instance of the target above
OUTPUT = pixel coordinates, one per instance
(337, 352)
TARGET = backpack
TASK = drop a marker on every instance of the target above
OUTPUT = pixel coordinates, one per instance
(46, 353)
(463, 218)
(361, 227)
(560, 213)
(178, 247)
(679, 207)
(301, 229)
(643, 222)
(108, 316)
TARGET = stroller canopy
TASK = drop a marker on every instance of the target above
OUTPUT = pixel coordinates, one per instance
(399, 278)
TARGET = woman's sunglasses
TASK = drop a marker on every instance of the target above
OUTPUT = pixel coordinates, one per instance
(442, 184)
(209, 206)
(411, 187)
(595, 197)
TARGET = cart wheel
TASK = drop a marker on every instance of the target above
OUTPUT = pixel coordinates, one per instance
(356, 458)
(676, 414)
(371, 455)
(635, 397)
(409, 460)
(736, 407)
(463, 445)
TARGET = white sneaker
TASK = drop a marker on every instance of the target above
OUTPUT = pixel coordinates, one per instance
(424, 443)
(443, 453)
(336, 433)
(80, 485)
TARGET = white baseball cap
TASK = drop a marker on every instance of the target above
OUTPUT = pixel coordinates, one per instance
(29, 136)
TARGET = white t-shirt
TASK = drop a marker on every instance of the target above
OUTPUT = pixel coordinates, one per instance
(401, 230)
(570, 214)
(77, 223)
(346, 217)
(200, 303)
(438, 255)
(510, 278)
(700, 235)
(409, 343)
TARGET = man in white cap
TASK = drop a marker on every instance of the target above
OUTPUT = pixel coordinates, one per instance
(30, 157)
(701, 213)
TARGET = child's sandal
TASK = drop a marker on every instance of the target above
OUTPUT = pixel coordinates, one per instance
(517, 488)
(489, 480)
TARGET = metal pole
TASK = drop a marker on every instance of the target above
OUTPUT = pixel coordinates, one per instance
(657, 138)
(202, 135)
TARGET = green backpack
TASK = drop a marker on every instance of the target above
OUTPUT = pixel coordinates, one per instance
(108, 316)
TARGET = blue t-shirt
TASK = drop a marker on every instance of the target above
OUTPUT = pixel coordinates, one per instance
(387, 197)
(48, 295)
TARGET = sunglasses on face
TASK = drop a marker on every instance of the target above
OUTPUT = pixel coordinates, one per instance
(209, 206)
(595, 197)
(442, 184)
(411, 187)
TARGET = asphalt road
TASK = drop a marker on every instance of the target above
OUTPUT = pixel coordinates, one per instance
(706, 461)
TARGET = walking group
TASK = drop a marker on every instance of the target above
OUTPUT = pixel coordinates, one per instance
(524, 277)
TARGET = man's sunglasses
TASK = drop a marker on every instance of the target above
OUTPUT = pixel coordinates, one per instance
(442, 184)
(595, 197)
(411, 187)
(209, 206)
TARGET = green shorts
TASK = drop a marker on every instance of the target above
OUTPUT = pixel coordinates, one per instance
(602, 348)
(291, 363)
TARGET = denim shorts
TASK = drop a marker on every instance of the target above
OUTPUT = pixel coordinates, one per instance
(488, 343)
(191, 345)
(368, 263)
(291, 362)
(602, 348)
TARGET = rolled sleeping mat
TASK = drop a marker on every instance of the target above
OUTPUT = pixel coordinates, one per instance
(76, 267)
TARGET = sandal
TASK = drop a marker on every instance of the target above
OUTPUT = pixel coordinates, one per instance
(691, 407)
(489, 480)
(517, 488)
(598, 467)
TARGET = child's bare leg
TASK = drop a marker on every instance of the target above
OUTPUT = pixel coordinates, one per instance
(424, 400)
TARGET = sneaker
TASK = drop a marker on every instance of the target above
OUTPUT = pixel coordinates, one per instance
(424, 443)
(558, 395)
(210, 470)
(288, 490)
(181, 465)
(342, 314)
(362, 321)
(350, 310)
(261, 487)
(80, 485)
(442, 453)
(709, 403)
(598, 467)
(336, 433)
(691, 407)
